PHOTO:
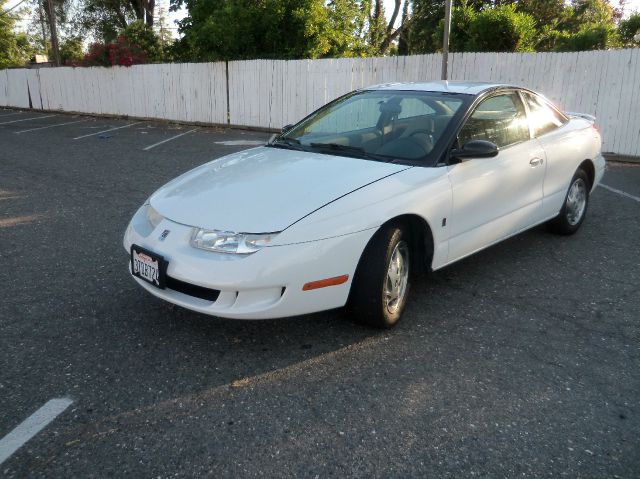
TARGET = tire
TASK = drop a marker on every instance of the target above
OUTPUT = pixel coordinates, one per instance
(574, 208)
(381, 284)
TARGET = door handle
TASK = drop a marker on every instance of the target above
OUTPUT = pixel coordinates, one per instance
(535, 162)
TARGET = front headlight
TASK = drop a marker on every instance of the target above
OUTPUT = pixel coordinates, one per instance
(153, 217)
(228, 242)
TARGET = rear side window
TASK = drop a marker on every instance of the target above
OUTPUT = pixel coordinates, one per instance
(544, 118)
(500, 119)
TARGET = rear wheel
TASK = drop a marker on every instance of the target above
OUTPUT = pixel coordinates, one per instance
(575, 206)
(381, 283)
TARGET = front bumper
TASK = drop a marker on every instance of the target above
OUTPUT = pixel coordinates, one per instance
(265, 284)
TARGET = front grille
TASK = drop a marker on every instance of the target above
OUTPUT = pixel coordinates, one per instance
(192, 289)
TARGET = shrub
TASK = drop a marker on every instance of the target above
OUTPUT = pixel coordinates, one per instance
(143, 36)
(590, 37)
(461, 19)
(116, 53)
(71, 51)
(629, 28)
(502, 29)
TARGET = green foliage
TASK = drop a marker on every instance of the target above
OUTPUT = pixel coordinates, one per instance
(629, 28)
(15, 48)
(502, 29)
(587, 25)
(592, 12)
(590, 37)
(244, 29)
(71, 51)
(477, 25)
(460, 36)
(524, 25)
(103, 19)
(145, 39)
(405, 37)
(425, 31)
(545, 12)
(137, 43)
(496, 29)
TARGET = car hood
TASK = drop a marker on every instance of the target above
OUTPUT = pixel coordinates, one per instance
(263, 189)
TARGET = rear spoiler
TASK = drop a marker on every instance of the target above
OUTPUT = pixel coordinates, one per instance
(586, 116)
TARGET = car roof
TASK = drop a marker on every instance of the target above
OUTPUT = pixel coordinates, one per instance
(468, 87)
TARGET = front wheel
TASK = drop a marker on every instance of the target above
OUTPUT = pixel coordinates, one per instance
(575, 206)
(381, 284)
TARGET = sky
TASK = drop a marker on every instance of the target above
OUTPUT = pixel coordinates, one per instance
(632, 5)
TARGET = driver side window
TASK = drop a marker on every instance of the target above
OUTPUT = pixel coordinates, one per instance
(500, 119)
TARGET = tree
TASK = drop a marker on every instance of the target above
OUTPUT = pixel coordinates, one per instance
(629, 28)
(502, 29)
(426, 17)
(15, 48)
(545, 12)
(71, 51)
(244, 29)
(404, 38)
(460, 35)
(382, 33)
(241, 29)
(523, 25)
(146, 39)
(588, 25)
(590, 37)
(105, 18)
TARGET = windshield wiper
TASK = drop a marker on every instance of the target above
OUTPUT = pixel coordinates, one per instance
(286, 142)
(357, 151)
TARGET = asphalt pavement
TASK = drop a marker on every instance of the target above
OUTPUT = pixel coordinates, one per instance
(520, 361)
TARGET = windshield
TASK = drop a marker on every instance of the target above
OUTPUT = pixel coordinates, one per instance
(384, 125)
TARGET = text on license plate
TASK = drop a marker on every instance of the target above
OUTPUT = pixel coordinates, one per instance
(146, 267)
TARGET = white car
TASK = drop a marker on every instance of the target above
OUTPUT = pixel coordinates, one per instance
(341, 208)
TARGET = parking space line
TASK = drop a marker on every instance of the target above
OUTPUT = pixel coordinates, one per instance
(27, 119)
(51, 126)
(9, 114)
(106, 131)
(621, 193)
(240, 142)
(168, 139)
(32, 426)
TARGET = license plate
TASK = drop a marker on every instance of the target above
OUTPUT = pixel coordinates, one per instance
(148, 266)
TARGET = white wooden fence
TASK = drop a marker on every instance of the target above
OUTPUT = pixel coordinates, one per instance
(183, 92)
(272, 93)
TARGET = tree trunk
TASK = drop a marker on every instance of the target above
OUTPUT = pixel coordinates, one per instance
(151, 5)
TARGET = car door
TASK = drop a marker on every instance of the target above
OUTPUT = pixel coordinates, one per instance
(561, 147)
(494, 198)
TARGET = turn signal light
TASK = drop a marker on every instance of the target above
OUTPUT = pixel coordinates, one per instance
(323, 283)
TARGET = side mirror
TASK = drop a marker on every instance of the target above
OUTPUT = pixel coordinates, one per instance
(286, 128)
(476, 149)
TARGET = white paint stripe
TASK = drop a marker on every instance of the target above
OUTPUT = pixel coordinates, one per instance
(169, 139)
(32, 426)
(9, 114)
(110, 129)
(27, 119)
(240, 143)
(51, 126)
(620, 192)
